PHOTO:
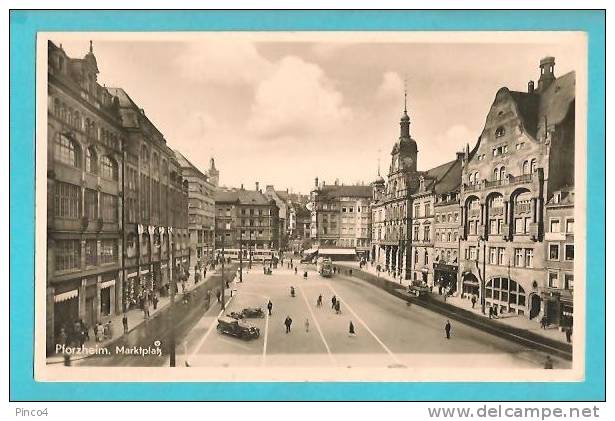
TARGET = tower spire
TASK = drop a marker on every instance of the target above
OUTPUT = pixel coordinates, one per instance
(405, 95)
(91, 48)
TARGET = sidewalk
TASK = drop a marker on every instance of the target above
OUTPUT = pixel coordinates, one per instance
(135, 317)
(372, 270)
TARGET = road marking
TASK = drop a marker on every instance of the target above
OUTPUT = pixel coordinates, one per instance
(322, 336)
(265, 338)
(211, 327)
(356, 316)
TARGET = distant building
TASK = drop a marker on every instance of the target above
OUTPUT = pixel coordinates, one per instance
(341, 216)
(201, 209)
(246, 219)
(523, 157)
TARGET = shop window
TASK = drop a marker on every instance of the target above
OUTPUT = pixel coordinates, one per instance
(553, 280)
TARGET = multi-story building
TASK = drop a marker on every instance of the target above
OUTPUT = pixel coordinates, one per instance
(433, 184)
(156, 208)
(201, 209)
(524, 155)
(281, 199)
(84, 183)
(557, 293)
(391, 214)
(446, 238)
(341, 216)
(246, 216)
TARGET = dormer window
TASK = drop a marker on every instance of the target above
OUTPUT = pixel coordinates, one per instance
(499, 132)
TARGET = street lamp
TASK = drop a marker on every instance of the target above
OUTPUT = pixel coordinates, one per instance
(482, 276)
(241, 257)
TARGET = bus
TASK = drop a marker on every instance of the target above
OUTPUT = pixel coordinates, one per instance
(324, 266)
(257, 254)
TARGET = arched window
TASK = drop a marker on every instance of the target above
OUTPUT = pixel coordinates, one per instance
(67, 151)
(108, 168)
(526, 167)
(505, 293)
(533, 166)
(476, 177)
(144, 245)
(499, 132)
(91, 164)
(496, 174)
(502, 173)
(144, 157)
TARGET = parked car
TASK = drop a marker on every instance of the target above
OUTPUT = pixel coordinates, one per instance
(418, 289)
(237, 328)
(247, 313)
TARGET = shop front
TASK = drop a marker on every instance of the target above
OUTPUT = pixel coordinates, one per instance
(557, 307)
(470, 284)
(65, 307)
(445, 276)
(107, 294)
(131, 289)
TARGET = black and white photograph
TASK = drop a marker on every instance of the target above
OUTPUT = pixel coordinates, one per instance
(310, 206)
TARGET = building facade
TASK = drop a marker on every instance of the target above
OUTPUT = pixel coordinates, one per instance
(341, 216)
(246, 219)
(446, 239)
(84, 182)
(524, 154)
(156, 208)
(201, 209)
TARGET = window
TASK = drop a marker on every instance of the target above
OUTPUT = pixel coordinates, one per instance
(568, 281)
(569, 226)
(519, 226)
(67, 254)
(553, 251)
(108, 251)
(473, 253)
(529, 258)
(67, 151)
(501, 251)
(109, 207)
(427, 209)
(569, 252)
(526, 167)
(554, 225)
(108, 168)
(416, 211)
(426, 236)
(90, 161)
(344, 210)
(145, 245)
(499, 132)
(493, 255)
(67, 200)
(91, 253)
(533, 166)
(91, 204)
(553, 282)
(502, 173)
(415, 233)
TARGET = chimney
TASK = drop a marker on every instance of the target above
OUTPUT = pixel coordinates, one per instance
(316, 182)
(530, 87)
(241, 186)
(256, 184)
(460, 156)
(337, 181)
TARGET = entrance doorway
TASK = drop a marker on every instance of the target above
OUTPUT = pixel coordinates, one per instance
(535, 306)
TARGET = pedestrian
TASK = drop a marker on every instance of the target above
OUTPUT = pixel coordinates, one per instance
(473, 300)
(351, 329)
(95, 328)
(125, 323)
(269, 307)
(305, 274)
(62, 337)
(338, 307)
(155, 301)
(490, 312)
(548, 363)
(569, 334)
(543, 322)
(100, 334)
(295, 271)
(333, 301)
(218, 294)
(204, 271)
(288, 322)
(447, 329)
(307, 325)
(319, 301)
(183, 285)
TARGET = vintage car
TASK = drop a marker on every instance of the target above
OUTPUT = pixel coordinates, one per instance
(247, 313)
(418, 289)
(237, 328)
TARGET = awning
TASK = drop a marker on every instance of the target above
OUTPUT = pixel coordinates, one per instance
(144, 271)
(470, 282)
(310, 251)
(107, 284)
(65, 296)
(337, 252)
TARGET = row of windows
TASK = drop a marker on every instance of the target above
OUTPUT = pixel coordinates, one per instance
(67, 203)
(426, 208)
(68, 253)
(446, 236)
(555, 225)
(554, 280)
(68, 152)
(499, 173)
(554, 252)
(447, 217)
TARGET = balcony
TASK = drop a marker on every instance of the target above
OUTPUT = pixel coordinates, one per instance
(507, 181)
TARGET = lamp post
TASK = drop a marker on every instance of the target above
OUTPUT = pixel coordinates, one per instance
(482, 276)
(222, 277)
(241, 257)
(172, 305)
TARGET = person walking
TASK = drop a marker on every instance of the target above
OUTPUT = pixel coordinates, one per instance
(569, 334)
(319, 301)
(125, 323)
(473, 300)
(295, 270)
(351, 331)
(447, 329)
(288, 322)
(543, 322)
(333, 302)
(307, 325)
(338, 307)
(269, 307)
(218, 294)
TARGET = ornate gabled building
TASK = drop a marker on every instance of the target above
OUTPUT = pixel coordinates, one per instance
(391, 215)
(84, 182)
(524, 155)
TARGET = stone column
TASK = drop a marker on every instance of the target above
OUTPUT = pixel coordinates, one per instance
(534, 210)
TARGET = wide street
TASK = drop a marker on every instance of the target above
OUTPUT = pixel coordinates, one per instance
(388, 332)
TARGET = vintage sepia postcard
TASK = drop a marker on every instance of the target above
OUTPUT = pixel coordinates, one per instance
(310, 206)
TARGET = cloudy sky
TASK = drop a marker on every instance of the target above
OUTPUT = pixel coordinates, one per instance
(285, 111)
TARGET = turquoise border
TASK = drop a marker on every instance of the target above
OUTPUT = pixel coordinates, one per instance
(23, 28)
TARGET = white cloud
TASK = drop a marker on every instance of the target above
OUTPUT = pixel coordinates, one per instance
(392, 86)
(297, 99)
(456, 137)
(228, 63)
